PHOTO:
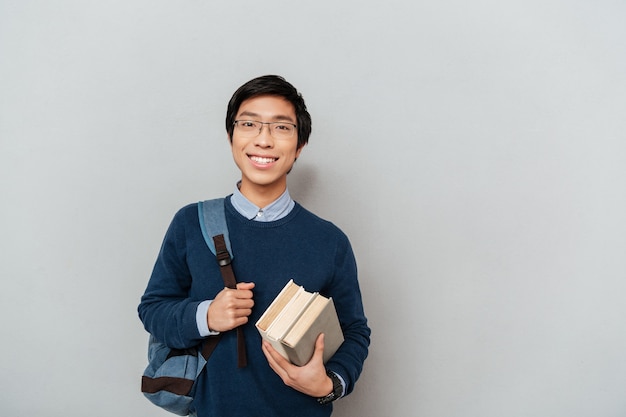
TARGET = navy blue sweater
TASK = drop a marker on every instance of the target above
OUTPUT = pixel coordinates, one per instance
(301, 246)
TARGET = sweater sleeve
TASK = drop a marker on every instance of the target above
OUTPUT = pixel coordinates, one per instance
(165, 309)
(345, 291)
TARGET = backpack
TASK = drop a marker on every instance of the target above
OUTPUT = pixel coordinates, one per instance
(169, 379)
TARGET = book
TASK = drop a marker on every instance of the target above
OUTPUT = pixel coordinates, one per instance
(294, 320)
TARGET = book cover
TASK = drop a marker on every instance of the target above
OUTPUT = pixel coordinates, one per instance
(294, 320)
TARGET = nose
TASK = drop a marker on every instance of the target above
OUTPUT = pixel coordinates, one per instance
(264, 139)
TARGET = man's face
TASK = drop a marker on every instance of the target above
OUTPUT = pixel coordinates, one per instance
(264, 160)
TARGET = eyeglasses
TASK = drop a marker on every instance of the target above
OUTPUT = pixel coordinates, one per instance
(252, 128)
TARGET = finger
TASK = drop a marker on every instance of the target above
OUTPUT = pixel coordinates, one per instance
(242, 293)
(268, 352)
(241, 303)
(280, 362)
(274, 355)
(319, 342)
(245, 285)
(243, 313)
(236, 299)
(318, 354)
(240, 321)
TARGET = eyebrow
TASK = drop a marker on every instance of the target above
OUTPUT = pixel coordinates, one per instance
(276, 118)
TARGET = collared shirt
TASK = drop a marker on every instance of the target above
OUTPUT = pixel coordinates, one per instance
(276, 210)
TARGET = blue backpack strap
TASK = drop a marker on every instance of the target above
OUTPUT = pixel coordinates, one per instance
(215, 233)
(213, 222)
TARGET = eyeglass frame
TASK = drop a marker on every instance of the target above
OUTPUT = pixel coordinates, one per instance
(295, 127)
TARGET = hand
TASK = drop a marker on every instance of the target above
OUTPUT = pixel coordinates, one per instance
(231, 307)
(310, 379)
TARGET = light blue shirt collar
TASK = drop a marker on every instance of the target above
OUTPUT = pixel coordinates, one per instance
(278, 209)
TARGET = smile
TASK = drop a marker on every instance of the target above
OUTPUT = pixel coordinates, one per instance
(262, 160)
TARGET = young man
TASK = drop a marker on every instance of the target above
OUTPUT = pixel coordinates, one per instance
(274, 239)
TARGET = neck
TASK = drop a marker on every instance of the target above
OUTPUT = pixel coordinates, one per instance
(262, 196)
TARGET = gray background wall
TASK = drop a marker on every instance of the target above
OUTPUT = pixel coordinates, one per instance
(473, 151)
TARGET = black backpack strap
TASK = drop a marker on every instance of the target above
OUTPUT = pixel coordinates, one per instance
(209, 344)
(224, 261)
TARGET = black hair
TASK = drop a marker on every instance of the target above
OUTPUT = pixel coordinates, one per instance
(271, 85)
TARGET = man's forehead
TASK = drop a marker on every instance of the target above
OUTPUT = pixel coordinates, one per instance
(272, 107)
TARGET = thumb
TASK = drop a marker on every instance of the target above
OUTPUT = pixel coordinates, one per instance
(318, 354)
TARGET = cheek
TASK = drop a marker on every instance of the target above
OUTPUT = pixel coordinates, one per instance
(237, 153)
(237, 146)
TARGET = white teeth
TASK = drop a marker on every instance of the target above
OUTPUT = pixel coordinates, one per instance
(261, 160)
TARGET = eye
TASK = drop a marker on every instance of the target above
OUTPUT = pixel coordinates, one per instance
(248, 123)
(283, 127)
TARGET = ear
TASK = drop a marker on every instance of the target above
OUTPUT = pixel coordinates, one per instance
(298, 152)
